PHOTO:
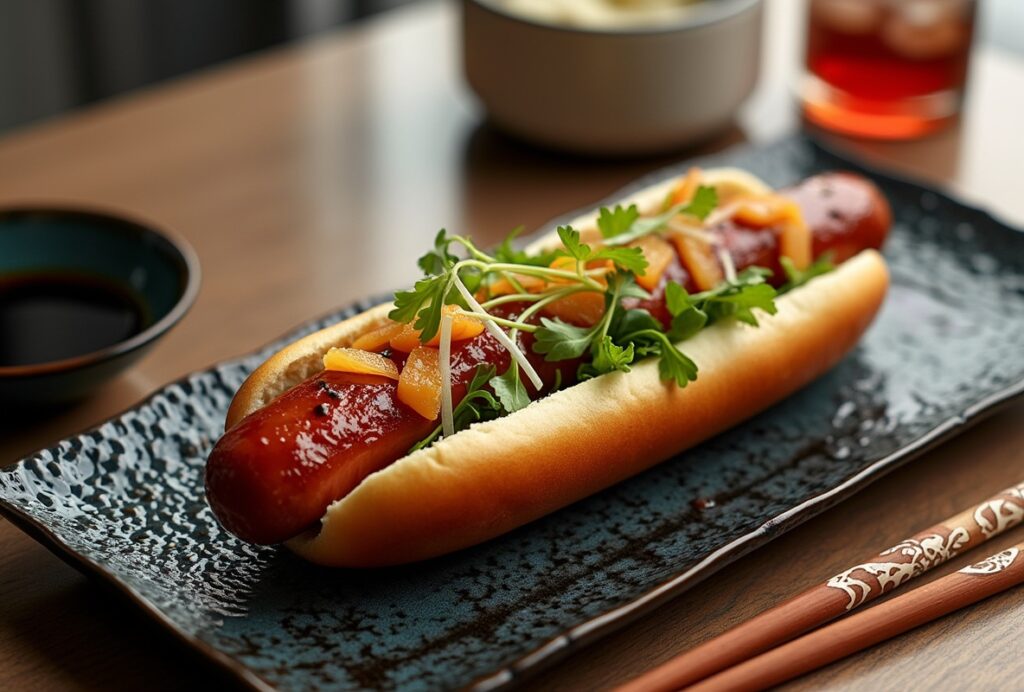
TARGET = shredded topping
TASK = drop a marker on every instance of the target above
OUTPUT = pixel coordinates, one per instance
(578, 277)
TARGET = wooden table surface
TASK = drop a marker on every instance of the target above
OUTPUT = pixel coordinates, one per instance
(314, 175)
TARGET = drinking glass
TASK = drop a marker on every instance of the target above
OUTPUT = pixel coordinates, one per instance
(891, 69)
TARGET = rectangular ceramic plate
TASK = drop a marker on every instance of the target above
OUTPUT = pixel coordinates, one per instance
(124, 502)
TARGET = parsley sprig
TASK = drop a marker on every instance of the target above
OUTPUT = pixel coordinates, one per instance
(798, 277)
(620, 226)
(450, 278)
(624, 336)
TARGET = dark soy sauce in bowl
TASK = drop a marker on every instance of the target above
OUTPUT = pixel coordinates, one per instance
(83, 295)
(52, 316)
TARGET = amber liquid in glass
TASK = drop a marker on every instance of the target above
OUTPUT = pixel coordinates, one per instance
(886, 68)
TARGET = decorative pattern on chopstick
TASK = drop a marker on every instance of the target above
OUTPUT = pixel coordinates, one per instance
(993, 564)
(867, 628)
(915, 556)
(908, 559)
(842, 593)
(1002, 512)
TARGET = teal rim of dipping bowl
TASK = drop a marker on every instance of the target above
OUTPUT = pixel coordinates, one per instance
(159, 267)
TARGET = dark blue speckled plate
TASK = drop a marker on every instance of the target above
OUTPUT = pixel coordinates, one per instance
(125, 501)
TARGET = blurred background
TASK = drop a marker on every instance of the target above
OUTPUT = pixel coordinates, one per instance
(59, 54)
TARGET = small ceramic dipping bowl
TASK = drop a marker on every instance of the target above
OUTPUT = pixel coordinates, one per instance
(83, 295)
(616, 91)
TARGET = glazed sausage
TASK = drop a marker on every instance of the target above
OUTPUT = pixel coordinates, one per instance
(273, 475)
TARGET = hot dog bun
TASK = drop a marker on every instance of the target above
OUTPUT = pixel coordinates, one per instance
(501, 474)
(498, 475)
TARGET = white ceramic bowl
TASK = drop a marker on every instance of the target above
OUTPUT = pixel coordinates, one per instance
(599, 91)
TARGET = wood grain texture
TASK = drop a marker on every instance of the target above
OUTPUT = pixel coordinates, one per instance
(936, 485)
(314, 175)
(852, 588)
(902, 613)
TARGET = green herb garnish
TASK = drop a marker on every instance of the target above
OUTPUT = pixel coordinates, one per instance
(617, 232)
(477, 405)
(459, 273)
(510, 390)
(629, 258)
(797, 277)
(613, 222)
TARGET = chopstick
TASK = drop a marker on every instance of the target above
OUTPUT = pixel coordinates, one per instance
(886, 620)
(839, 595)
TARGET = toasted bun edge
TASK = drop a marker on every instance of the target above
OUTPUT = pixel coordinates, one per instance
(298, 361)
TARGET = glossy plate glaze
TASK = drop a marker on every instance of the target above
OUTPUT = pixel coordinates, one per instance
(125, 501)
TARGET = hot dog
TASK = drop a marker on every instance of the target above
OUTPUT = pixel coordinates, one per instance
(320, 458)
